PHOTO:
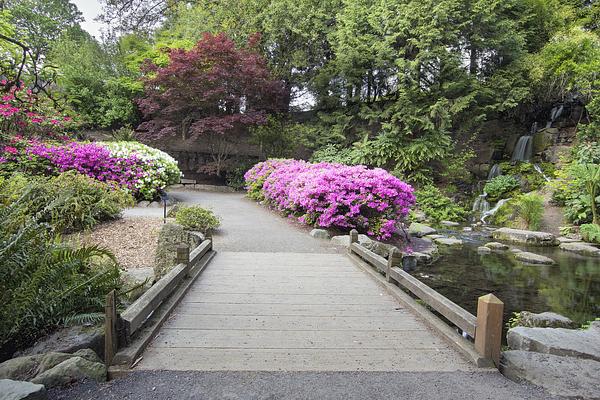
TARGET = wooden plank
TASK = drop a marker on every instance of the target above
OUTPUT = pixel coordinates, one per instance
(186, 359)
(452, 311)
(279, 298)
(357, 310)
(380, 263)
(274, 339)
(200, 251)
(135, 315)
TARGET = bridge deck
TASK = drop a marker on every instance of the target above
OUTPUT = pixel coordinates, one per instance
(294, 312)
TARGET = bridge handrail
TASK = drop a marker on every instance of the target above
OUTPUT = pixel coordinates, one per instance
(485, 328)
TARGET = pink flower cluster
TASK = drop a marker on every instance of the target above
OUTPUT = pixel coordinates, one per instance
(334, 195)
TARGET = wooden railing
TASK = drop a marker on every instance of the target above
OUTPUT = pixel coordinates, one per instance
(120, 329)
(485, 328)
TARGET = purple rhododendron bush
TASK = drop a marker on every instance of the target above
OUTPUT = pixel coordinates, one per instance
(333, 195)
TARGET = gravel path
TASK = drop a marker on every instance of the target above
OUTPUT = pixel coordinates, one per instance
(163, 385)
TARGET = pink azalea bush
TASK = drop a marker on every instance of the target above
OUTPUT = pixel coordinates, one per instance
(333, 195)
(136, 172)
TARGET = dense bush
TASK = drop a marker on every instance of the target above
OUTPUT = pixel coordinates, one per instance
(576, 188)
(530, 210)
(197, 218)
(590, 233)
(333, 195)
(439, 207)
(500, 187)
(140, 169)
(67, 202)
(44, 283)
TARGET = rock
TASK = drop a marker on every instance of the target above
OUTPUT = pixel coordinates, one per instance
(544, 320)
(560, 376)
(515, 250)
(449, 223)
(496, 246)
(379, 248)
(467, 229)
(319, 234)
(344, 240)
(136, 281)
(19, 390)
(419, 216)
(532, 258)
(542, 140)
(69, 340)
(484, 250)
(155, 204)
(422, 258)
(20, 368)
(580, 248)
(557, 341)
(89, 355)
(563, 239)
(433, 237)
(419, 230)
(449, 241)
(409, 262)
(527, 237)
(72, 370)
(143, 203)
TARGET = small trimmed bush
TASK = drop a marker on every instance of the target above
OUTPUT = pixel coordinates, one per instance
(500, 187)
(197, 218)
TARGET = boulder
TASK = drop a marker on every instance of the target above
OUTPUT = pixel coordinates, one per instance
(419, 230)
(449, 241)
(379, 248)
(563, 239)
(515, 250)
(155, 204)
(580, 248)
(72, 370)
(435, 236)
(136, 281)
(422, 258)
(419, 216)
(544, 320)
(20, 368)
(542, 140)
(319, 234)
(449, 223)
(532, 258)
(496, 246)
(532, 238)
(344, 240)
(559, 376)
(69, 340)
(484, 250)
(143, 203)
(19, 390)
(557, 341)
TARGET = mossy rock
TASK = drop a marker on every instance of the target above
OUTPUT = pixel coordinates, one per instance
(171, 235)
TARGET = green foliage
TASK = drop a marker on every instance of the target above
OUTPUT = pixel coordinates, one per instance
(590, 233)
(525, 172)
(501, 187)
(530, 209)
(68, 202)
(235, 175)
(197, 218)
(589, 176)
(439, 207)
(44, 283)
(124, 134)
(332, 153)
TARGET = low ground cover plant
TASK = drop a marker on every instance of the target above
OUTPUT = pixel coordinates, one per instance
(197, 218)
(501, 187)
(333, 195)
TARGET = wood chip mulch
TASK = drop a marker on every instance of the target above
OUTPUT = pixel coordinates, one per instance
(132, 240)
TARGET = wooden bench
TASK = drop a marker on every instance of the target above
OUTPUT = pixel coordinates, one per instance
(186, 182)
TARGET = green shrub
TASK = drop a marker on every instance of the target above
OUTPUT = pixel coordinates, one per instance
(197, 218)
(45, 283)
(68, 202)
(501, 187)
(333, 153)
(439, 207)
(590, 233)
(530, 210)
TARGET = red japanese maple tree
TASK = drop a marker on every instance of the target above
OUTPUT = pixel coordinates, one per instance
(208, 92)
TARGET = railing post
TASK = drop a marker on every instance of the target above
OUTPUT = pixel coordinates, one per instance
(390, 263)
(183, 256)
(110, 328)
(488, 333)
(353, 239)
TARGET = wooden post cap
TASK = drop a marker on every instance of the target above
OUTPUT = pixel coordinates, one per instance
(353, 236)
(488, 334)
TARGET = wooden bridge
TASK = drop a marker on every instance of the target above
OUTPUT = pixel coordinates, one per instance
(296, 311)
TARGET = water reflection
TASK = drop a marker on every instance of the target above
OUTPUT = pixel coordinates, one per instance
(570, 288)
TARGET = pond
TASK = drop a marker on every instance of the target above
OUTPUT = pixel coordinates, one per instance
(570, 288)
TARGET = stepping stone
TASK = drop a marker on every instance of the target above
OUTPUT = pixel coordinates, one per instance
(532, 258)
(449, 223)
(449, 241)
(420, 230)
(545, 320)
(496, 246)
(580, 248)
(526, 237)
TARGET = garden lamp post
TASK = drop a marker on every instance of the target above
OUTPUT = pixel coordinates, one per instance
(164, 197)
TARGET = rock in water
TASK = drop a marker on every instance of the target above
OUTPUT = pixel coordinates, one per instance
(72, 370)
(449, 241)
(557, 341)
(560, 376)
(581, 248)
(420, 230)
(19, 390)
(449, 223)
(319, 234)
(484, 250)
(496, 246)
(527, 237)
(532, 258)
(545, 320)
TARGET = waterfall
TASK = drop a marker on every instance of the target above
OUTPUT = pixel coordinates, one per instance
(554, 114)
(481, 204)
(493, 211)
(534, 128)
(523, 149)
(494, 172)
(539, 170)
